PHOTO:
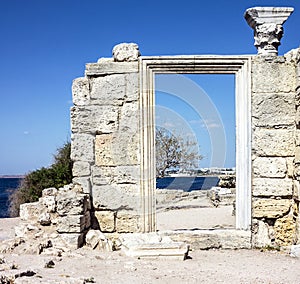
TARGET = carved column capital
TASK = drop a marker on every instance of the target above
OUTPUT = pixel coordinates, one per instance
(267, 25)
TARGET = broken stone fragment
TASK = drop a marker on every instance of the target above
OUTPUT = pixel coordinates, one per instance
(126, 52)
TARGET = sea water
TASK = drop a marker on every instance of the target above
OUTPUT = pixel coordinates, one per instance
(7, 185)
(187, 183)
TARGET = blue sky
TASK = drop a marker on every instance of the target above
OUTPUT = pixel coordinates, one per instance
(46, 44)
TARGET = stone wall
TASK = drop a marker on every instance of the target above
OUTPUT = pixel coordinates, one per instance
(105, 139)
(274, 206)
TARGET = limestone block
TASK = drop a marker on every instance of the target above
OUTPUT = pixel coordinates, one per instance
(132, 87)
(126, 222)
(290, 167)
(285, 229)
(84, 182)
(297, 137)
(116, 197)
(81, 91)
(296, 193)
(81, 169)
(129, 118)
(82, 147)
(96, 239)
(45, 219)
(272, 187)
(273, 142)
(93, 237)
(71, 224)
(295, 251)
(72, 241)
(269, 110)
(106, 68)
(49, 202)
(260, 237)
(270, 208)
(117, 175)
(106, 220)
(297, 155)
(30, 211)
(108, 90)
(71, 203)
(49, 192)
(273, 76)
(269, 167)
(116, 149)
(94, 119)
(126, 52)
(210, 239)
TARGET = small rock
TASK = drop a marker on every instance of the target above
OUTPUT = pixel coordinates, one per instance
(126, 52)
(50, 264)
(295, 251)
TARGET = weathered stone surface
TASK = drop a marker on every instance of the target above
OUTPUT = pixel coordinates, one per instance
(81, 91)
(132, 87)
(296, 193)
(116, 175)
(71, 224)
(126, 52)
(267, 24)
(290, 167)
(71, 203)
(151, 246)
(96, 239)
(94, 119)
(284, 229)
(210, 239)
(126, 222)
(52, 191)
(270, 208)
(30, 211)
(45, 219)
(269, 110)
(106, 68)
(93, 237)
(114, 197)
(270, 167)
(272, 187)
(261, 237)
(84, 182)
(106, 220)
(72, 241)
(82, 147)
(274, 142)
(81, 169)
(295, 251)
(108, 90)
(281, 76)
(129, 118)
(49, 202)
(116, 149)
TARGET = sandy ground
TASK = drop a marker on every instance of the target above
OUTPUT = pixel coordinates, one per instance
(213, 266)
(196, 218)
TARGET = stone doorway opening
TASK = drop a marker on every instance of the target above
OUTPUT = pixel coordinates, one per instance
(195, 125)
(239, 66)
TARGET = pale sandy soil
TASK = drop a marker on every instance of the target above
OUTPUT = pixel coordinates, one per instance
(196, 218)
(213, 266)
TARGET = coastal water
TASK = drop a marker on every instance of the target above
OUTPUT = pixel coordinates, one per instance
(6, 186)
(187, 183)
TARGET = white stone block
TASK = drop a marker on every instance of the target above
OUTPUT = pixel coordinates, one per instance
(126, 52)
(269, 167)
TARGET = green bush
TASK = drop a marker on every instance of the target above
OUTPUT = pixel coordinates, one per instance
(57, 175)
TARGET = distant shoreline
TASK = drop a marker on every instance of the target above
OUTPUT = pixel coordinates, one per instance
(12, 176)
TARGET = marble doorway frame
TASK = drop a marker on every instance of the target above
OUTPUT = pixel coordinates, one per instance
(240, 66)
